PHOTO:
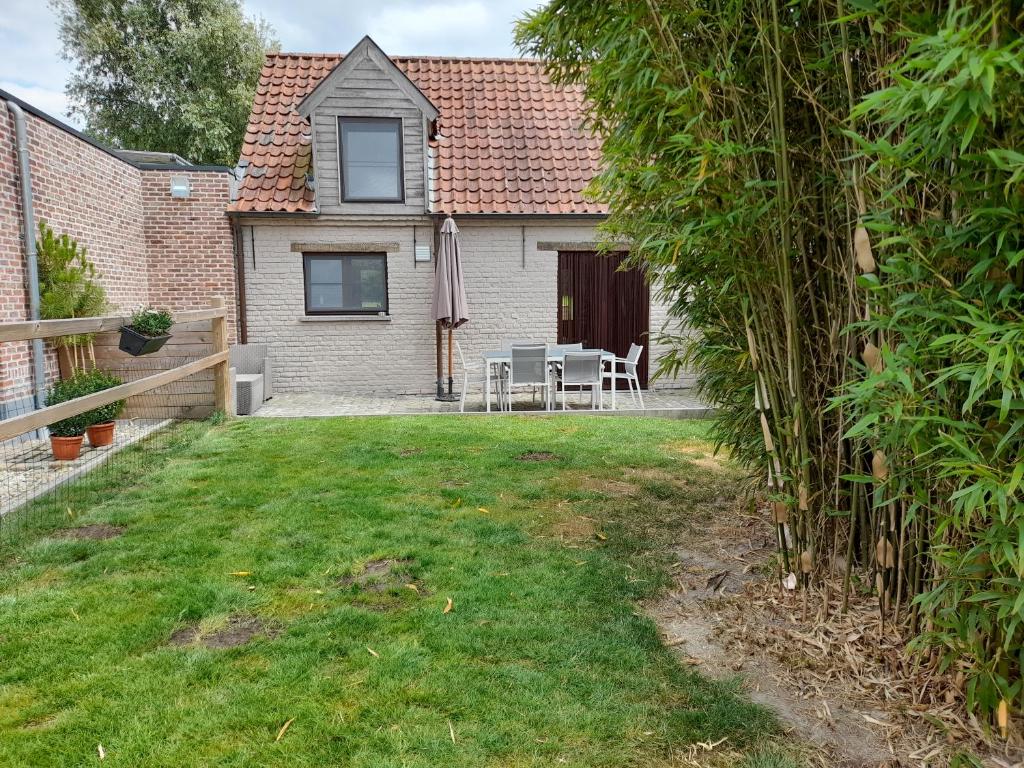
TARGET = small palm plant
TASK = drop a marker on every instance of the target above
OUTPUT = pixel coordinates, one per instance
(68, 288)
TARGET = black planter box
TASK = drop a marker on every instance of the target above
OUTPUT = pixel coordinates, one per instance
(134, 343)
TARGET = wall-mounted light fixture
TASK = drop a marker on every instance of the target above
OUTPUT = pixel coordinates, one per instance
(180, 187)
(420, 251)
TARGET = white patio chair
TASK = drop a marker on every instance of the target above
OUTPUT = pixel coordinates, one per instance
(507, 345)
(628, 372)
(577, 347)
(561, 349)
(478, 373)
(529, 368)
(583, 369)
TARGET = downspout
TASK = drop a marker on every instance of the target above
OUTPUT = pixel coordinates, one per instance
(243, 315)
(31, 259)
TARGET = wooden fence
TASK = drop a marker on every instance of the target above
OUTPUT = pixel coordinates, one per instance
(189, 377)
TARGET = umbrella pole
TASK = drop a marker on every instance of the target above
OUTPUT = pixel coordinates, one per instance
(440, 372)
(450, 363)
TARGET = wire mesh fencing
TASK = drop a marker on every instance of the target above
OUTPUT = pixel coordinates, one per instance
(49, 469)
(38, 491)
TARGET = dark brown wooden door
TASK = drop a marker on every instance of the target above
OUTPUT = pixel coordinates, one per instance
(601, 306)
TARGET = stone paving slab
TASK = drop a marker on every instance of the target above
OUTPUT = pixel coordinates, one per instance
(672, 403)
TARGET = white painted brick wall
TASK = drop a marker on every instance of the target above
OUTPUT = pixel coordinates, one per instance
(509, 297)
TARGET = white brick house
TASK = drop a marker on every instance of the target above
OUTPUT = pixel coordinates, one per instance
(350, 165)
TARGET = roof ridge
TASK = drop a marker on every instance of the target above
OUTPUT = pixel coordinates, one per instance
(336, 55)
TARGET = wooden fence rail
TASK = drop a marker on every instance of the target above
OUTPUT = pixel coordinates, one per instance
(217, 362)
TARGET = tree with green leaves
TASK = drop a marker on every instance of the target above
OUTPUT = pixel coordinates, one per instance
(164, 75)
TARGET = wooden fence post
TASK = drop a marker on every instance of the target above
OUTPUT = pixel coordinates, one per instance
(223, 392)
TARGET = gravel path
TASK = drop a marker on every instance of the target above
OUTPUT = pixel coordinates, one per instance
(28, 470)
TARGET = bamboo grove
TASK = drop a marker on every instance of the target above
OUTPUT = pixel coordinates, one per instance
(832, 196)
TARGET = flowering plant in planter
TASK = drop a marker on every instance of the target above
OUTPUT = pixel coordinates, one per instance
(146, 332)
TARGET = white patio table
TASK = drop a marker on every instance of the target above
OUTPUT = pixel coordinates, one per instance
(499, 356)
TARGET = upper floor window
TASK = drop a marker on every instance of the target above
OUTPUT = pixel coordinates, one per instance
(371, 159)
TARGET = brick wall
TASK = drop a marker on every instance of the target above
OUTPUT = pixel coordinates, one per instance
(140, 241)
(511, 288)
(83, 191)
(189, 242)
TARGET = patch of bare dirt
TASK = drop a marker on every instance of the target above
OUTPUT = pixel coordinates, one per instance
(842, 683)
(380, 577)
(653, 475)
(238, 630)
(575, 528)
(407, 452)
(94, 532)
(700, 454)
(538, 456)
(607, 486)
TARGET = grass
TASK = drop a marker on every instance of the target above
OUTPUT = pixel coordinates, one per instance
(543, 659)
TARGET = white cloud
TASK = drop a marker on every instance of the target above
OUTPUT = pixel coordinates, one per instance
(48, 100)
(437, 28)
(400, 27)
(31, 66)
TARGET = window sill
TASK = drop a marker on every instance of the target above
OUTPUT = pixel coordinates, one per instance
(345, 319)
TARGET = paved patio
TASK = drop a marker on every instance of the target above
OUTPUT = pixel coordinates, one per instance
(671, 403)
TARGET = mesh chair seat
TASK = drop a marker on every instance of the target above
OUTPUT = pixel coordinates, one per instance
(583, 369)
(529, 368)
(251, 360)
(248, 393)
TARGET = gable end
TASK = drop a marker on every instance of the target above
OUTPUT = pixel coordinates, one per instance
(366, 49)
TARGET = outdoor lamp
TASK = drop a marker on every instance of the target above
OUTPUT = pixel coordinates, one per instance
(180, 187)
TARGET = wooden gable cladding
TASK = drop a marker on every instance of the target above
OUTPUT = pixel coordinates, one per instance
(367, 84)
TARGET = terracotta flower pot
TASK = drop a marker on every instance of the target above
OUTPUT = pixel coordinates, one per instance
(101, 434)
(66, 448)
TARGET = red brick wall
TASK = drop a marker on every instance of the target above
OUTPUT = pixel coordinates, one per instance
(14, 358)
(189, 242)
(147, 247)
(83, 191)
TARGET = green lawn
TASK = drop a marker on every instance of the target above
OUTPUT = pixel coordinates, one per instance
(544, 658)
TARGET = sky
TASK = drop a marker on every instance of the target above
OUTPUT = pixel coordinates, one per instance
(31, 66)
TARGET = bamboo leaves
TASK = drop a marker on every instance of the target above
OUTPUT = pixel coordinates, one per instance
(806, 198)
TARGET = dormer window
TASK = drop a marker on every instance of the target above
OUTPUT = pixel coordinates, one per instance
(371, 160)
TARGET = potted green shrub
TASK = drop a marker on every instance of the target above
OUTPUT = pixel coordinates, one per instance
(68, 287)
(101, 420)
(146, 332)
(66, 435)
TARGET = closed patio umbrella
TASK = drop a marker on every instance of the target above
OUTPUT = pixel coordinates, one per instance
(450, 309)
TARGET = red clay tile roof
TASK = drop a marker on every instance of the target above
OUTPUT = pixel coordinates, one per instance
(510, 141)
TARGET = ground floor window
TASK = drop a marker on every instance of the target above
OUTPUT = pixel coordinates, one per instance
(346, 283)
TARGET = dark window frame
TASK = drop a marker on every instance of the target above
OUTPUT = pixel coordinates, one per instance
(401, 159)
(307, 258)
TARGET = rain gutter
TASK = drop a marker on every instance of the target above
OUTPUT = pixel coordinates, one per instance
(31, 257)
